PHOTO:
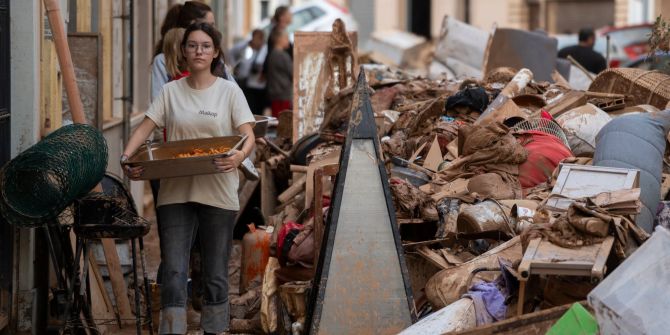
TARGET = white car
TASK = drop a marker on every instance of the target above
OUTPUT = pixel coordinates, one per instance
(312, 16)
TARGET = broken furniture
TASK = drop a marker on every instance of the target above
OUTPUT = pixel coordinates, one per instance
(544, 258)
(579, 181)
(361, 243)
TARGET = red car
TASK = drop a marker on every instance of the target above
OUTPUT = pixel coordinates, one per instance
(627, 43)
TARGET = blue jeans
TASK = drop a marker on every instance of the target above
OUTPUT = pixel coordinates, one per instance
(179, 223)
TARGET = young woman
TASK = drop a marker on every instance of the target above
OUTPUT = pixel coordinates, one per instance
(279, 73)
(198, 106)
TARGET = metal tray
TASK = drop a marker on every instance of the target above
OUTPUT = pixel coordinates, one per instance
(261, 127)
(164, 165)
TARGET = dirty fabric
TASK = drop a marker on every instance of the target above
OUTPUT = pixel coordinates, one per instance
(489, 303)
(586, 223)
(411, 201)
(473, 97)
(545, 152)
(488, 148)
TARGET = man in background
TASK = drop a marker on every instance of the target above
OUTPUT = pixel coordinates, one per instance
(584, 54)
(249, 72)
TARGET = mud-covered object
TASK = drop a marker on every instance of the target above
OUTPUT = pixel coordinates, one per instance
(581, 125)
(488, 148)
(545, 152)
(490, 185)
(412, 202)
(475, 98)
(637, 142)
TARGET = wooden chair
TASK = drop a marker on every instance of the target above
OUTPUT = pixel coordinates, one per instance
(329, 170)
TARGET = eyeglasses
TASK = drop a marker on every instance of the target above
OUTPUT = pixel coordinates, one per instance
(193, 48)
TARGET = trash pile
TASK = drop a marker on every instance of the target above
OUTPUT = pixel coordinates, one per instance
(514, 197)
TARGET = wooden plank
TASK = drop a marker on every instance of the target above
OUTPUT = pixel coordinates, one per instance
(101, 305)
(310, 79)
(119, 286)
(105, 29)
(84, 16)
(51, 115)
(268, 191)
(531, 323)
(293, 190)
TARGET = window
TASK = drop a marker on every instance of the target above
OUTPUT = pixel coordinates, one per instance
(265, 9)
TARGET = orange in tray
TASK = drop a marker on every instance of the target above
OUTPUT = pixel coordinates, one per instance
(202, 152)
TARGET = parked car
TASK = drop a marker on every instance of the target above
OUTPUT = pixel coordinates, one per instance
(659, 62)
(312, 16)
(626, 43)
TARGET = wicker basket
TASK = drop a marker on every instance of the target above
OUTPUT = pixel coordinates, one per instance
(641, 87)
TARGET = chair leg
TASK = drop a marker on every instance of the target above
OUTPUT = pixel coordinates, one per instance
(522, 297)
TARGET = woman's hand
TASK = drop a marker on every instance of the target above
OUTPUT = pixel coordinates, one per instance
(134, 173)
(229, 163)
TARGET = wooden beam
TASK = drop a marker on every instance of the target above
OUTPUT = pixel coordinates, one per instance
(292, 191)
(105, 29)
(119, 286)
(84, 16)
(268, 191)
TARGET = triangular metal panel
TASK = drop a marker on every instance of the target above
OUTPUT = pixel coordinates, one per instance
(362, 285)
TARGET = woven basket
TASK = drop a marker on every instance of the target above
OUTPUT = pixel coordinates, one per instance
(641, 87)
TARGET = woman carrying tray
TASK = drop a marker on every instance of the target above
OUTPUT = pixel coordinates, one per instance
(201, 105)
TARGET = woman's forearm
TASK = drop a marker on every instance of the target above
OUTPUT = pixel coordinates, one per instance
(250, 143)
(139, 136)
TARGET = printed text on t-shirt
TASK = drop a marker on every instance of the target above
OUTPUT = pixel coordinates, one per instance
(208, 113)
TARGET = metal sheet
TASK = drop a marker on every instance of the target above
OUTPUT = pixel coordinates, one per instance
(362, 285)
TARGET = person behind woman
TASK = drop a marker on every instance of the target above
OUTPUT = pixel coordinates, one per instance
(280, 21)
(179, 16)
(175, 64)
(201, 105)
(279, 73)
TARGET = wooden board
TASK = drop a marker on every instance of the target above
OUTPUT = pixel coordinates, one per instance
(310, 80)
(86, 49)
(119, 286)
(268, 191)
(362, 285)
(528, 324)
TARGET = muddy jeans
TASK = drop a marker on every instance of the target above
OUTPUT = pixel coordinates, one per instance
(179, 222)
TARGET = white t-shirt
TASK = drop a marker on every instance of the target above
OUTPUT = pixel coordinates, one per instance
(187, 114)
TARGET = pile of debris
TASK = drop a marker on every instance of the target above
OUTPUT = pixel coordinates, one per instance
(514, 196)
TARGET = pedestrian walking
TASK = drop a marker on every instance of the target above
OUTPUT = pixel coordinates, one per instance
(201, 105)
(279, 73)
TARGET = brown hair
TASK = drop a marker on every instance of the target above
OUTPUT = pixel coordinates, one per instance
(169, 22)
(279, 12)
(191, 12)
(174, 59)
(214, 34)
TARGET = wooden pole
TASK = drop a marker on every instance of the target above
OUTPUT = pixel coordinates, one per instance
(65, 60)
